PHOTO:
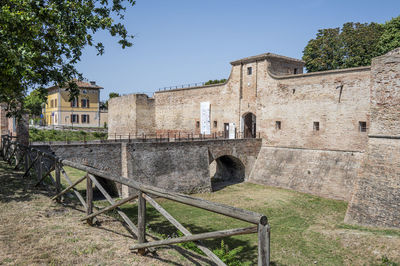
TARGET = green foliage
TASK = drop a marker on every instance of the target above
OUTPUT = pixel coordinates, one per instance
(41, 42)
(385, 261)
(352, 46)
(230, 257)
(64, 135)
(111, 95)
(189, 245)
(99, 135)
(360, 43)
(390, 38)
(215, 81)
(33, 102)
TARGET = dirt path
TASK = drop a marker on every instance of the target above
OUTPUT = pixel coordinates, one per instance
(35, 230)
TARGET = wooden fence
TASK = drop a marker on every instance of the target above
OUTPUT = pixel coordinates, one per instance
(38, 164)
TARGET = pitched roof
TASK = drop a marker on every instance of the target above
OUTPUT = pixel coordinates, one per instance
(82, 85)
(265, 56)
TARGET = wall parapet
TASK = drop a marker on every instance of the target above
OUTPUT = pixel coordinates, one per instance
(318, 73)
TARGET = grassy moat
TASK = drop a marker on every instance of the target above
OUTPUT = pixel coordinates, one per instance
(305, 229)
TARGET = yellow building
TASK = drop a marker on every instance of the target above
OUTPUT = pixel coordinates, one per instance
(84, 111)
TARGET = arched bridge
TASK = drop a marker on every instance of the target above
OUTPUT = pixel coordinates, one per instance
(177, 166)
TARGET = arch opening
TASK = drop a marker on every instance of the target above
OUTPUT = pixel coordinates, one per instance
(108, 185)
(225, 171)
(249, 125)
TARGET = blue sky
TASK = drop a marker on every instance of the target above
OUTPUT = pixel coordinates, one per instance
(179, 42)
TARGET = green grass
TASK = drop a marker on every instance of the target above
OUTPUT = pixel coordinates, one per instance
(305, 229)
(64, 135)
(74, 174)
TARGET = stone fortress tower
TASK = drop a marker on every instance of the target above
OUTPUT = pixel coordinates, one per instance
(334, 133)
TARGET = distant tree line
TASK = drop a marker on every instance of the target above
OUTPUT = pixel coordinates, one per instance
(353, 45)
(215, 81)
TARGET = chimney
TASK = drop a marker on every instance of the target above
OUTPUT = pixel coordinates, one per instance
(93, 83)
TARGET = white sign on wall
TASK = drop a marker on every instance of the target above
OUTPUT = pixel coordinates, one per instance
(232, 129)
(205, 123)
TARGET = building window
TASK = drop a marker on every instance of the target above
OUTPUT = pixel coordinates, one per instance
(278, 125)
(295, 71)
(249, 70)
(74, 118)
(197, 124)
(316, 126)
(74, 103)
(85, 119)
(362, 126)
(85, 103)
(215, 124)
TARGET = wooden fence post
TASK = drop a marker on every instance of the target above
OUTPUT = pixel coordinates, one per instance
(141, 222)
(58, 179)
(40, 168)
(26, 159)
(17, 155)
(89, 199)
(263, 244)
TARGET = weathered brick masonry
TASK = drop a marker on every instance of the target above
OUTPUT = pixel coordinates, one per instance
(314, 126)
(176, 166)
(376, 199)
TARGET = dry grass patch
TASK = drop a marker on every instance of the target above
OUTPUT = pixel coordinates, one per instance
(35, 230)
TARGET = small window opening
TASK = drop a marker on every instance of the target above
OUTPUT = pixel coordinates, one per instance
(316, 126)
(362, 126)
(278, 125)
(197, 124)
(215, 124)
(249, 70)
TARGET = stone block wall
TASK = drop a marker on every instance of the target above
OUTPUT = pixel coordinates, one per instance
(337, 100)
(175, 167)
(130, 115)
(376, 198)
(329, 174)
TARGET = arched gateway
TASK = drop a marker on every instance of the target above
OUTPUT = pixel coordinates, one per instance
(249, 125)
(226, 170)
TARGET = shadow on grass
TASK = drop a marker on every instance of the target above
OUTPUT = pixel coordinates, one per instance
(15, 187)
(157, 224)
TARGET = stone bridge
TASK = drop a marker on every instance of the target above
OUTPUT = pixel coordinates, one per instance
(185, 166)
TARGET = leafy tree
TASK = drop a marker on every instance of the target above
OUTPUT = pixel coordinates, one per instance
(360, 43)
(390, 38)
(42, 40)
(324, 52)
(111, 95)
(215, 81)
(33, 102)
(352, 46)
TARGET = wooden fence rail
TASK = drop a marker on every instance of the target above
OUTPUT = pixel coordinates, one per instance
(39, 165)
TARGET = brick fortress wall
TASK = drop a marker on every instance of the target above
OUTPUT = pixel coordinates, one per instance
(323, 162)
(376, 198)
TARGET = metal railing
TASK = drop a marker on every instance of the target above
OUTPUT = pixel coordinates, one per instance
(174, 136)
(39, 165)
(183, 86)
